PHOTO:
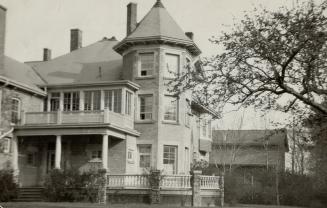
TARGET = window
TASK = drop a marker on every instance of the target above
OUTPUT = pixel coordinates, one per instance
(92, 100)
(128, 103)
(71, 101)
(96, 154)
(113, 100)
(146, 102)
(15, 110)
(146, 64)
(54, 101)
(188, 113)
(5, 145)
(186, 159)
(31, 158)
(209, 128)
(170, 159)
(144, 155)
(172, 66)
(170, 107)
(130, 156)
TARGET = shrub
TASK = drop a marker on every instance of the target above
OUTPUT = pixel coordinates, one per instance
(8, 190)
(70, 185)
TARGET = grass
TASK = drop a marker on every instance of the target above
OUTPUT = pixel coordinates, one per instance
(86, 205)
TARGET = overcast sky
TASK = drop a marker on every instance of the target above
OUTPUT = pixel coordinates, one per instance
(35, 24)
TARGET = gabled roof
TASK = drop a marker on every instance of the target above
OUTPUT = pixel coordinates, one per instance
(251, 137)
(158, 26)
(20, 75)
(97, 62)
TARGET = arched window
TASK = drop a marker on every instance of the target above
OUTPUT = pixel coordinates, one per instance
(15, 110)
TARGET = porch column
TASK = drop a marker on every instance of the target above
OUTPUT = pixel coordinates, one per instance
(15, 155)
(58, 152)
(105, 151)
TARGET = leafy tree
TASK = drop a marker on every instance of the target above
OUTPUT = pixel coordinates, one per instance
(274, 60)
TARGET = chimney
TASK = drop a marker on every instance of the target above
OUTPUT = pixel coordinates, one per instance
(190, 35)
(3, 12)
(46, 54)
(131, 17)
(75, 39)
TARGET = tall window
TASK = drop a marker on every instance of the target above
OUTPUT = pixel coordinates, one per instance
(71, 101)
(172, 66)
(128, 103)
(92, 100)
(146, 102)
(171, 109)
(170, 159)
(113, 100)
(146, 64)
(209, 128)
(144, 155)
(54, 101)
(15, 110)
(204, 128)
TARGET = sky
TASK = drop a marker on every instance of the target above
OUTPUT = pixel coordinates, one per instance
(36, 24)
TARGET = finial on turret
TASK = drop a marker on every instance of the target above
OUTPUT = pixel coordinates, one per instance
(158, 4)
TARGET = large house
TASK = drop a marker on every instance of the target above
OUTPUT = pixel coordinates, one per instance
(106, 103)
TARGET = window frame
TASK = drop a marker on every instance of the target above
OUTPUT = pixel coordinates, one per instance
(92, 100)
(175, 159)
(150, 96)
(110, 100)
(128, 102)
(52, 100)
(147, 154)
(72, 105)
(16, 111)
(177, 109)
(167, 74)
(139, 73)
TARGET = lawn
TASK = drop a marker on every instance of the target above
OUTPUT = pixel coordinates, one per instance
(85, 205)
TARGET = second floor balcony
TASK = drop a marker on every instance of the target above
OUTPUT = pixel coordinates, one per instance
(77, 117)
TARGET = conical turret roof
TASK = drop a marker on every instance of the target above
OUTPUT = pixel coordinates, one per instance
(158, 25)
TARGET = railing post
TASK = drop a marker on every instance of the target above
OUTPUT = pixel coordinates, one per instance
(155, 186)
(59, 117)
(196, 188)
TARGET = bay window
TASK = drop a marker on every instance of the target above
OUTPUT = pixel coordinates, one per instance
(71, 101)
(113, 100)
(92, 100)
(128, 103)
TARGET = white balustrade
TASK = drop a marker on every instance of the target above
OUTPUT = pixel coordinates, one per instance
(209, 182)
(128, 181)
(176, 182)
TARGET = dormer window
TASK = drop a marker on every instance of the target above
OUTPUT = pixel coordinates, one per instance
(146, 67)
(172, 66)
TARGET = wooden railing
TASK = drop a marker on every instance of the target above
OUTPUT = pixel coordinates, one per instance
(77, 117)
(128, 181)
(176, 181)
(210, 182)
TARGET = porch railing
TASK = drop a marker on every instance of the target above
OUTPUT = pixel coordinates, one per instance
(210, 182)
(77, 117)
(128, 181)
(176, 181)
(168, 181)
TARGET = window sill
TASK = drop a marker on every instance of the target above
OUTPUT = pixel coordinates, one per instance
(145, 77)
(171, 122)
(144, 122)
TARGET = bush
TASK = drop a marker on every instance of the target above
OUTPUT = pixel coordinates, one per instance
(8, 190)
(72, 186)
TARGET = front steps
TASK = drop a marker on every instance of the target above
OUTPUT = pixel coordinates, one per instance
(30, 194)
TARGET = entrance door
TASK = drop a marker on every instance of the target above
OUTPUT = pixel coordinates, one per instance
(51, 160)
